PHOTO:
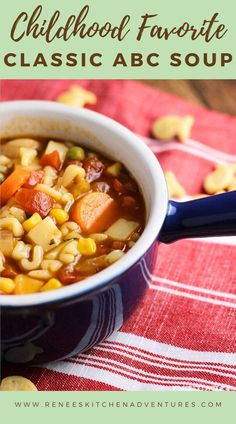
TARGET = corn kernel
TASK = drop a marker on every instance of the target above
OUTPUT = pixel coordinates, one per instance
(81, 186)
(87, 246)
(60, 215)
(7, 285)
(114, 169)
(52, 284)
(32, 222)
(26, 285)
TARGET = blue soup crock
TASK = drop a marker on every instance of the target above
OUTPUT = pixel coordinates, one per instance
(44, 327)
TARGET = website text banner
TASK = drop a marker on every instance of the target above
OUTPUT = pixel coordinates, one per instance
(103, 39)
(169, 407)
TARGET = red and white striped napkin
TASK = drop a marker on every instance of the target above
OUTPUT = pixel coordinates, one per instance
(182, 336)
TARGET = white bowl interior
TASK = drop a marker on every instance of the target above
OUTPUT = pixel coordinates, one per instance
(95, 131)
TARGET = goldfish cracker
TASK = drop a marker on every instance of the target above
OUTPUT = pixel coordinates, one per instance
(219, 179)
(175, 189)
(171, 126)
(17, 383)
(77, 96)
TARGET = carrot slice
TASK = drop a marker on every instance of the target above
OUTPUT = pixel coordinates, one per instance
(95, 212)
(12, 183)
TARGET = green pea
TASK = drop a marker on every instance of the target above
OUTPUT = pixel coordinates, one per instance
(76, 153)
(2, 178)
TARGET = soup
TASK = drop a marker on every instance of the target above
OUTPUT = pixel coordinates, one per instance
(66, 213)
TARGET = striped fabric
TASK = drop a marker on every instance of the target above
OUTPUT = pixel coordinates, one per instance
(182, 336)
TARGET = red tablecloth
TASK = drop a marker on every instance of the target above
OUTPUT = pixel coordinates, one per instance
(182, 336)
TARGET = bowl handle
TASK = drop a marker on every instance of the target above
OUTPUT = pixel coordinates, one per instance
(209, 216)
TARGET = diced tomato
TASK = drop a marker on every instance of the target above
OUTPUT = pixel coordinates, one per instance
(93, 168)
(9, 272)
(51, 159)
(129, 202)
(34, 201)
(34, 179)
(67, 275)
(118, 186)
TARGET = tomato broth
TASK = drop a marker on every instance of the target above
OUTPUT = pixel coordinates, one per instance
(65, 213)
